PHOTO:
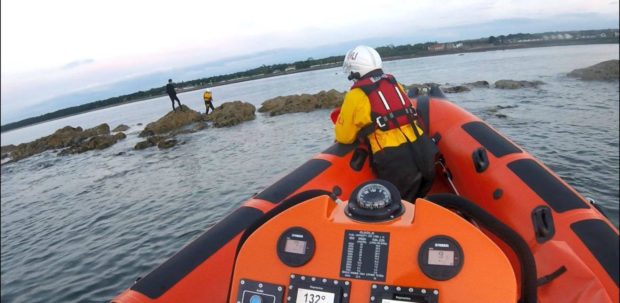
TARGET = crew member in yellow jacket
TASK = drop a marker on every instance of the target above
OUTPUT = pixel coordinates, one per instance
(377, 111)
(208, 97)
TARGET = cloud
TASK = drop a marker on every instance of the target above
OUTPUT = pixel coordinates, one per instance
(77, 63)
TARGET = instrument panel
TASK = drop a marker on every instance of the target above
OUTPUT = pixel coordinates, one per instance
(316, 252)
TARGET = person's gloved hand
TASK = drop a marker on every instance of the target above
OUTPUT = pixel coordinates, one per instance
(334, 115)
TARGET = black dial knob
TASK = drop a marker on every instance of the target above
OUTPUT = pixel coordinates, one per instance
(374, 201)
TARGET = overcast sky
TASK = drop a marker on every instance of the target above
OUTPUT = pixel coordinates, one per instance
(85, 48)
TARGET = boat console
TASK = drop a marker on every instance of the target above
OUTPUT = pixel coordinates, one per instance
(373, 248)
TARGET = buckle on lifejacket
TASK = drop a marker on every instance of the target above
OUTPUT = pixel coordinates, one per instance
(379, 122)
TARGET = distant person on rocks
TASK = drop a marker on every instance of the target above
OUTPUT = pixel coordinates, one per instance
(377, 112)
(208, 97)
(172, 93)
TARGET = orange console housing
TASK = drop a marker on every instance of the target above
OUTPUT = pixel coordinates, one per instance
(485, 276)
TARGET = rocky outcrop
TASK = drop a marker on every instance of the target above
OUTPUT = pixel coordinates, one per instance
(173, 120)
(514, 84)
(302, 103)
(455, 89)
(6, 150)
(232, 113)
(162, 142)
(120, 128)
(604, 71)
(96, 142)
(73, 139)
(478, 84)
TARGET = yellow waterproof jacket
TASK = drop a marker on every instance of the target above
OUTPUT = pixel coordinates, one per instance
(207, 96)
(355, 114)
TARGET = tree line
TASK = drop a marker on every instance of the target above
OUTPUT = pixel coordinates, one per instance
(389, 51)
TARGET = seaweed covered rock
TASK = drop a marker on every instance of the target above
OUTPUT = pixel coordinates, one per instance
(232, 113)
(173, 120)
(482, 84)
(455, 89)
(66, 137)
(95, 142)
(604, 71)
(302, 103)
(514, 84)
(120, 128)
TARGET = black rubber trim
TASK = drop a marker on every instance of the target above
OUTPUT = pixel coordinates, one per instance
(503, 232)
(423, 109)
(182, 263)
(490, 139)
(602, 241)
(546, 186)
(339, 149)
(293, 181)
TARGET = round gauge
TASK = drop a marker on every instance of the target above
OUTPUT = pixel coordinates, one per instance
(440, 258)
(295, 246)
(374, 201)
(373, 196)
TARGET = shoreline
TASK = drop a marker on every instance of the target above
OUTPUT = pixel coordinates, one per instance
(333, 65)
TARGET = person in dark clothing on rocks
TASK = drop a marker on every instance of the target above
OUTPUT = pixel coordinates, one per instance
(172, 93)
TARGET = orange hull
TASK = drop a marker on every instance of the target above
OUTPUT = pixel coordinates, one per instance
(574, 246)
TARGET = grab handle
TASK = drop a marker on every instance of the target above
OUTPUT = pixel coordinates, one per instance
(542, 219)
(480, 158)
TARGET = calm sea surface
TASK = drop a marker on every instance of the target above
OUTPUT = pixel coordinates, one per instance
(82, 228)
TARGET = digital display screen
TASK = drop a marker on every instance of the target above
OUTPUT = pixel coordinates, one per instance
(441, 257)
(314, 296)
(295, 246)
(397, 301)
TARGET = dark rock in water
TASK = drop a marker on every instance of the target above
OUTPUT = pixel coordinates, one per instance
(232, 113)
(501, 116)
(139, 124)
(199, 126)
(6, 150)
(171, 121)
(163, 144)
(506, 106)
(120, 128)
(455, 89)
(143, 144)
(302, 103)
(513, 84)
(604, 71)
(73, 138)
(120, 136)
(120, 154)
(96, 142)
(482, 83)
(414, 90)
(150, 141)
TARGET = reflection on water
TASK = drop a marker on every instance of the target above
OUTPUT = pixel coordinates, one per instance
(82, 228)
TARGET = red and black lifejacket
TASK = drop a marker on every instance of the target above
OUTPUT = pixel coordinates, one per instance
(390, 107)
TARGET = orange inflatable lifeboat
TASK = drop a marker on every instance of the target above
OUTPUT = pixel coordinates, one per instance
(497, 226)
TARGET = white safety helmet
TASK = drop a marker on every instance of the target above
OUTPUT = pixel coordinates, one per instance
(361, 60)
(208, 90)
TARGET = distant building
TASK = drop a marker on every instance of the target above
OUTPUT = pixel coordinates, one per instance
(437, 47)
(289, 68)
(454, 45)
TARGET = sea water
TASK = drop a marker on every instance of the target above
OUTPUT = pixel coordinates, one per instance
(82, 228)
